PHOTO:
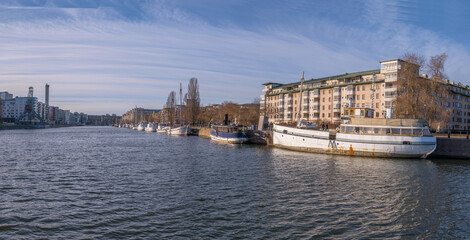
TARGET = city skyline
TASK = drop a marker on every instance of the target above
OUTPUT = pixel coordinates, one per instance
(108, 56)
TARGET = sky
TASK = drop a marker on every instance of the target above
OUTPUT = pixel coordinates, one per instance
(108, 56)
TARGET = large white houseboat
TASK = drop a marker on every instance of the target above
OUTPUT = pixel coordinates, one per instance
(407, 138)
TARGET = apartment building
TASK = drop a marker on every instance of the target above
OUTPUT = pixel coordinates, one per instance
(369, 93)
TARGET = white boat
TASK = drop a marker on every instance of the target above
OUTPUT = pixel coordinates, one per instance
(408, 138)
(150, 127)
(162, 128)
(179, 131)
(140, 127)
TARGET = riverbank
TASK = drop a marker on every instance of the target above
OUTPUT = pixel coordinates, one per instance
(17, 127)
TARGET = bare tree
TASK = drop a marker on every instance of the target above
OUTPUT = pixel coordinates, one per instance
(418, 96)
(437, 113)
(409, 87)
(170, 107)
(192, 101)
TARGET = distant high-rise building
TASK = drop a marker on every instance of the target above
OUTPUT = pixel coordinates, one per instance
(47, 102)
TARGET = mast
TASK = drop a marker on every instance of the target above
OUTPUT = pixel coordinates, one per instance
(181, 105)
(300, 98)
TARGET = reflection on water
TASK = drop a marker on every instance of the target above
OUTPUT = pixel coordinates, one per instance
(117, 183)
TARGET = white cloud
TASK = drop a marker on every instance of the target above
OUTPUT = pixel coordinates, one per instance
(96, 62)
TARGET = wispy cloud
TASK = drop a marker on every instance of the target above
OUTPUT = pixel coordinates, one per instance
(108, 56)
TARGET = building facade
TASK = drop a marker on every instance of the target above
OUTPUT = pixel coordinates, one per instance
(12, 109)
(370, 93)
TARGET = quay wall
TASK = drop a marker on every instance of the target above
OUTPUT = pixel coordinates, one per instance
(205, 133)
(452, 148)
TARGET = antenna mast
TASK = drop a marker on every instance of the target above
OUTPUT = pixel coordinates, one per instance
(372, 88)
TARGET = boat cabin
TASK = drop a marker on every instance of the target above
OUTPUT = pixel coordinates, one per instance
(386, 130)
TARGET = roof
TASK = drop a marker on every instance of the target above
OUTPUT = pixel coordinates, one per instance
(269, 83)
(396, 59)
(341, 76)
(389, 122)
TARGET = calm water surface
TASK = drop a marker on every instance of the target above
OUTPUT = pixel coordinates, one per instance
(104, 182)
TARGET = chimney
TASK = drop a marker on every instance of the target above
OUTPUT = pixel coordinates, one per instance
(47, 103)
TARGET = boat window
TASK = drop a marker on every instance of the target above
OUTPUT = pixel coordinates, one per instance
(417, 132)
(367, 130)
(395, 131)
(406, 131)
(377, 131)
(349, 129)
(386, 131)
(343, 129)
(427, 133)
(357, 130)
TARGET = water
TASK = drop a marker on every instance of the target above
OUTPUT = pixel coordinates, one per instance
(103, 182)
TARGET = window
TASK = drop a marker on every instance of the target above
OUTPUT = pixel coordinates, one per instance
(406, 131)
(363, 88)
(329, 99)
(377, 96)
(323, 115)
(377, 105)
(417, 132)
(376, 114)
(358, 88)
(358, 97)
(395, 131)
(363, 96)
(329, 114)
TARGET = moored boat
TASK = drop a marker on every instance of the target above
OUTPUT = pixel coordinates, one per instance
(162, 128)
(228, 134)
(179, 131)
(409, 138)
(150, 127)
(140, 127)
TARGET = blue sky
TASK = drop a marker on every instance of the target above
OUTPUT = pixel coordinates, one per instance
(109, 56)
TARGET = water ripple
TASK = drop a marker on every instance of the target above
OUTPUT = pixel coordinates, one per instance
(101, 182)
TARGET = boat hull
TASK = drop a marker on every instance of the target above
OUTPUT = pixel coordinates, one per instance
(179, 131)
(232, 138)
(353, 145)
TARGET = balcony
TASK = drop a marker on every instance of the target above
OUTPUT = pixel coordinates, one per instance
(336, 118)
(392, 94)
(315, 93)
(390, 87)
(337, 91)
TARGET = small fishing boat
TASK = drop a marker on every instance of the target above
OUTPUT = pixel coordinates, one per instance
(228, 134)
(179, 131)
(140, 127)
(162, 128)
(150, 127)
